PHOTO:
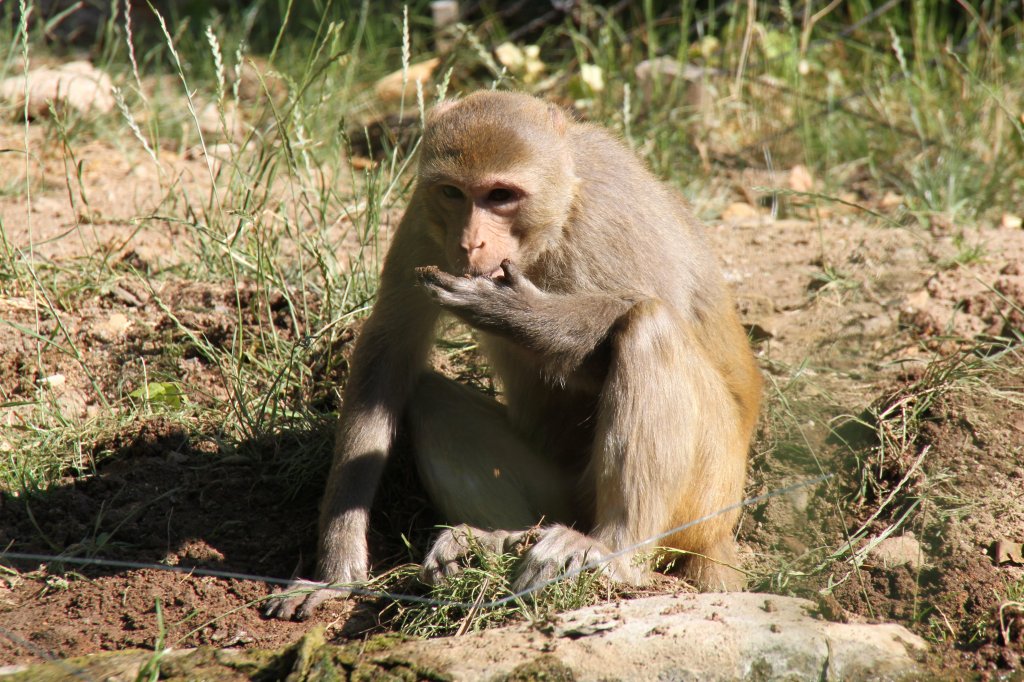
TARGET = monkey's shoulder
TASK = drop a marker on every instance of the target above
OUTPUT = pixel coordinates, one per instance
(607, 167)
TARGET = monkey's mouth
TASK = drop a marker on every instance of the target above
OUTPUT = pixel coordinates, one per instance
(496, 273)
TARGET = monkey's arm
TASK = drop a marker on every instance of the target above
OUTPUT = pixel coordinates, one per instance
(389, 356)
(564, 330)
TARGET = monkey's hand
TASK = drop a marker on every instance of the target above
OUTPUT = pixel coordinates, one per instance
(456, 545)
(561, 550)
(564, 330)
(502, 304)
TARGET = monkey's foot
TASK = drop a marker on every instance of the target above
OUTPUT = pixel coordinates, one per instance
(298, 601)
(456, 545)
(562, 550)
(301, 598)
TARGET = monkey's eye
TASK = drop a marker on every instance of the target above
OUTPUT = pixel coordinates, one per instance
(451, 192)
(500, 195)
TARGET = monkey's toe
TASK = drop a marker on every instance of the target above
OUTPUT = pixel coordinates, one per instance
(281, 608)
(298, 602)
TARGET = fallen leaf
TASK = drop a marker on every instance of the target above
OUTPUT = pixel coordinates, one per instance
(592, 76)
(891, 200)
(166, 393)
(800, 179)
(1011, 221)
(738, 211)
(362, 163)
(511, 56)
(389, 88)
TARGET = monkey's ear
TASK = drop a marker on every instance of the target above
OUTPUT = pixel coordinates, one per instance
(558, 118)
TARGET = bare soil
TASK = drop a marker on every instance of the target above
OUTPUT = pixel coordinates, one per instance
(847, 315)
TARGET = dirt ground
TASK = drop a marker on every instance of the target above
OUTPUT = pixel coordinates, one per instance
(846, 316)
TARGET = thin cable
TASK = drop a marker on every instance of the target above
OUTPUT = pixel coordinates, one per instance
(312, 585)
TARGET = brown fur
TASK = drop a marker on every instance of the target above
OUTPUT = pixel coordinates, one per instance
(630, 390)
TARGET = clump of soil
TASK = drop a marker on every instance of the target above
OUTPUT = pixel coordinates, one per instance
(963, 497)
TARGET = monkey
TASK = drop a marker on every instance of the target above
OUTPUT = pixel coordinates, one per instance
(629, 389)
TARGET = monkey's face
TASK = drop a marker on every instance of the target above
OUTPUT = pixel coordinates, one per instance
(479, 223)
(496, 178)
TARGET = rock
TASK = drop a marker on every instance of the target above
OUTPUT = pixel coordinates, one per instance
(688, 636)
(1007, 552)
(110, 329)
(918, 300)
(118, 324)
(668, 637)
(799, 499)
(898, 551)
(77, 84)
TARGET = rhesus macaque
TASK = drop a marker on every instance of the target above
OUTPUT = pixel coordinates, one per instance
(630, 391)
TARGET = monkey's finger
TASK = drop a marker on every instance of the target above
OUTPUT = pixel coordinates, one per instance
(446, 296)
(513, 275)
(441, 292)
(432, 275)
(516, 279)
(427, 274)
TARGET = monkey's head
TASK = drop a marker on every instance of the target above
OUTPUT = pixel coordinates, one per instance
(496, 180)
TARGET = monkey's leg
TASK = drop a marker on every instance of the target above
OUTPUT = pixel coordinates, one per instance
(479, 472)
(475, 467)
(669, 448)
(667, 451)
